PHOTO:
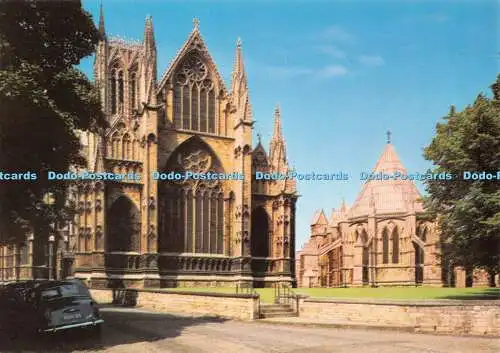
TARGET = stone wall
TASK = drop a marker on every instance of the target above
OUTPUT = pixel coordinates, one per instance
(233, 306)
(444, 316)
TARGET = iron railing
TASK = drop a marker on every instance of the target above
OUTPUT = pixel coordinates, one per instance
(283, 294)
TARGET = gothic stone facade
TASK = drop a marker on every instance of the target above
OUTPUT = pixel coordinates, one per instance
(151, 232)
(174, 233)
(385, 238)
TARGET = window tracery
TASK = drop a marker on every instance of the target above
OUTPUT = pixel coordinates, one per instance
(192, 215)
(194, 96)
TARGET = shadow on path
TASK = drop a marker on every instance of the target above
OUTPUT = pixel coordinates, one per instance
(121, 326)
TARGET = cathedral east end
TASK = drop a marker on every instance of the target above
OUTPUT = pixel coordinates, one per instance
(189, 232)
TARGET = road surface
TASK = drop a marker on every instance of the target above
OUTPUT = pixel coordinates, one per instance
(133, 330)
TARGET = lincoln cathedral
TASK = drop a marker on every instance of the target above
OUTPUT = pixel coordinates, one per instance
(155, 233)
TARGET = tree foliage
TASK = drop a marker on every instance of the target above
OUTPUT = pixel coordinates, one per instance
(44, 99)
(469, 210)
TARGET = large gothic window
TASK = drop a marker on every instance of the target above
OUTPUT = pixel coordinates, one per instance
(194, 96)
(192, 211)
(123, 226)
(260, 233)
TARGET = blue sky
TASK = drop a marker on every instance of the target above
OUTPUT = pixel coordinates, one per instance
(343, 72)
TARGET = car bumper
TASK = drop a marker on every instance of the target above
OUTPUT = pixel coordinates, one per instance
(80, 325)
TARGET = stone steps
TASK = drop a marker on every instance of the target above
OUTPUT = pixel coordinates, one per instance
(276, 310)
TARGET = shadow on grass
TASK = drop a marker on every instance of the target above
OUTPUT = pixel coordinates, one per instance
(121, 326)
(485, 294)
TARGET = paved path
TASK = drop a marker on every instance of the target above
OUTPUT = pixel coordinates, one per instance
(132, 330)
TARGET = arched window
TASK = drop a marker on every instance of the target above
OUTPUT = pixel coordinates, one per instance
(194, 96)
(133, 90)
(192, 211)
(126, 147)
(112, 83)
(120, 91)
(115, 146)
(385, 246)
(395, 246)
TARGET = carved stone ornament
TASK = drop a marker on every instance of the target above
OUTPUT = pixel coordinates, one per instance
(194, 68)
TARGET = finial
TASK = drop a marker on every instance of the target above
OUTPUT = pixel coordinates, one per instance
(101, 19)
(259, 138)
(239, 42)
(196, 23)
(389, 134)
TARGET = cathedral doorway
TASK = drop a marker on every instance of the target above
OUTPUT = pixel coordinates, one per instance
(260, 233)
(419, 264)
(123, 226)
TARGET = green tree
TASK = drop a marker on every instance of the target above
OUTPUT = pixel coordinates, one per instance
(468, 210)
(44, 98)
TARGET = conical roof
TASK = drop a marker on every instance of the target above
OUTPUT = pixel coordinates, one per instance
(394, 195)
(319, 218)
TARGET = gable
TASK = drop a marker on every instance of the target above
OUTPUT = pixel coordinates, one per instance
(193, 48)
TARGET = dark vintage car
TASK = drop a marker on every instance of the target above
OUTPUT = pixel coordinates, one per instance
(48, 306)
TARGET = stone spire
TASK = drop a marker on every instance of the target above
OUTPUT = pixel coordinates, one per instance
(149, 68)
(101, 21)
(238, 77)
(149, 37)
(277, 147)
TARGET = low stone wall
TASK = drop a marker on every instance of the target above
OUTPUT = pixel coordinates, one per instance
(232, 306)
(465, 317)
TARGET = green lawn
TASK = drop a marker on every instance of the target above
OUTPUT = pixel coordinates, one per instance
(403, 293)
(267, 294)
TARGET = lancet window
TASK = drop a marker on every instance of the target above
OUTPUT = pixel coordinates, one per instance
(116, 84)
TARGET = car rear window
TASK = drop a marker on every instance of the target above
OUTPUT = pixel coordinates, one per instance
(64, 291)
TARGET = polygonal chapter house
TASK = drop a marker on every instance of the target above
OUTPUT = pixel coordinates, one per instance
(385, 238)
(151, 232)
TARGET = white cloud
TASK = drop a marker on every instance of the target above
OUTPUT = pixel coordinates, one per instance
(336, 33)
(296, 71)
(332, 51)
(332, 71)
(371, 60)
